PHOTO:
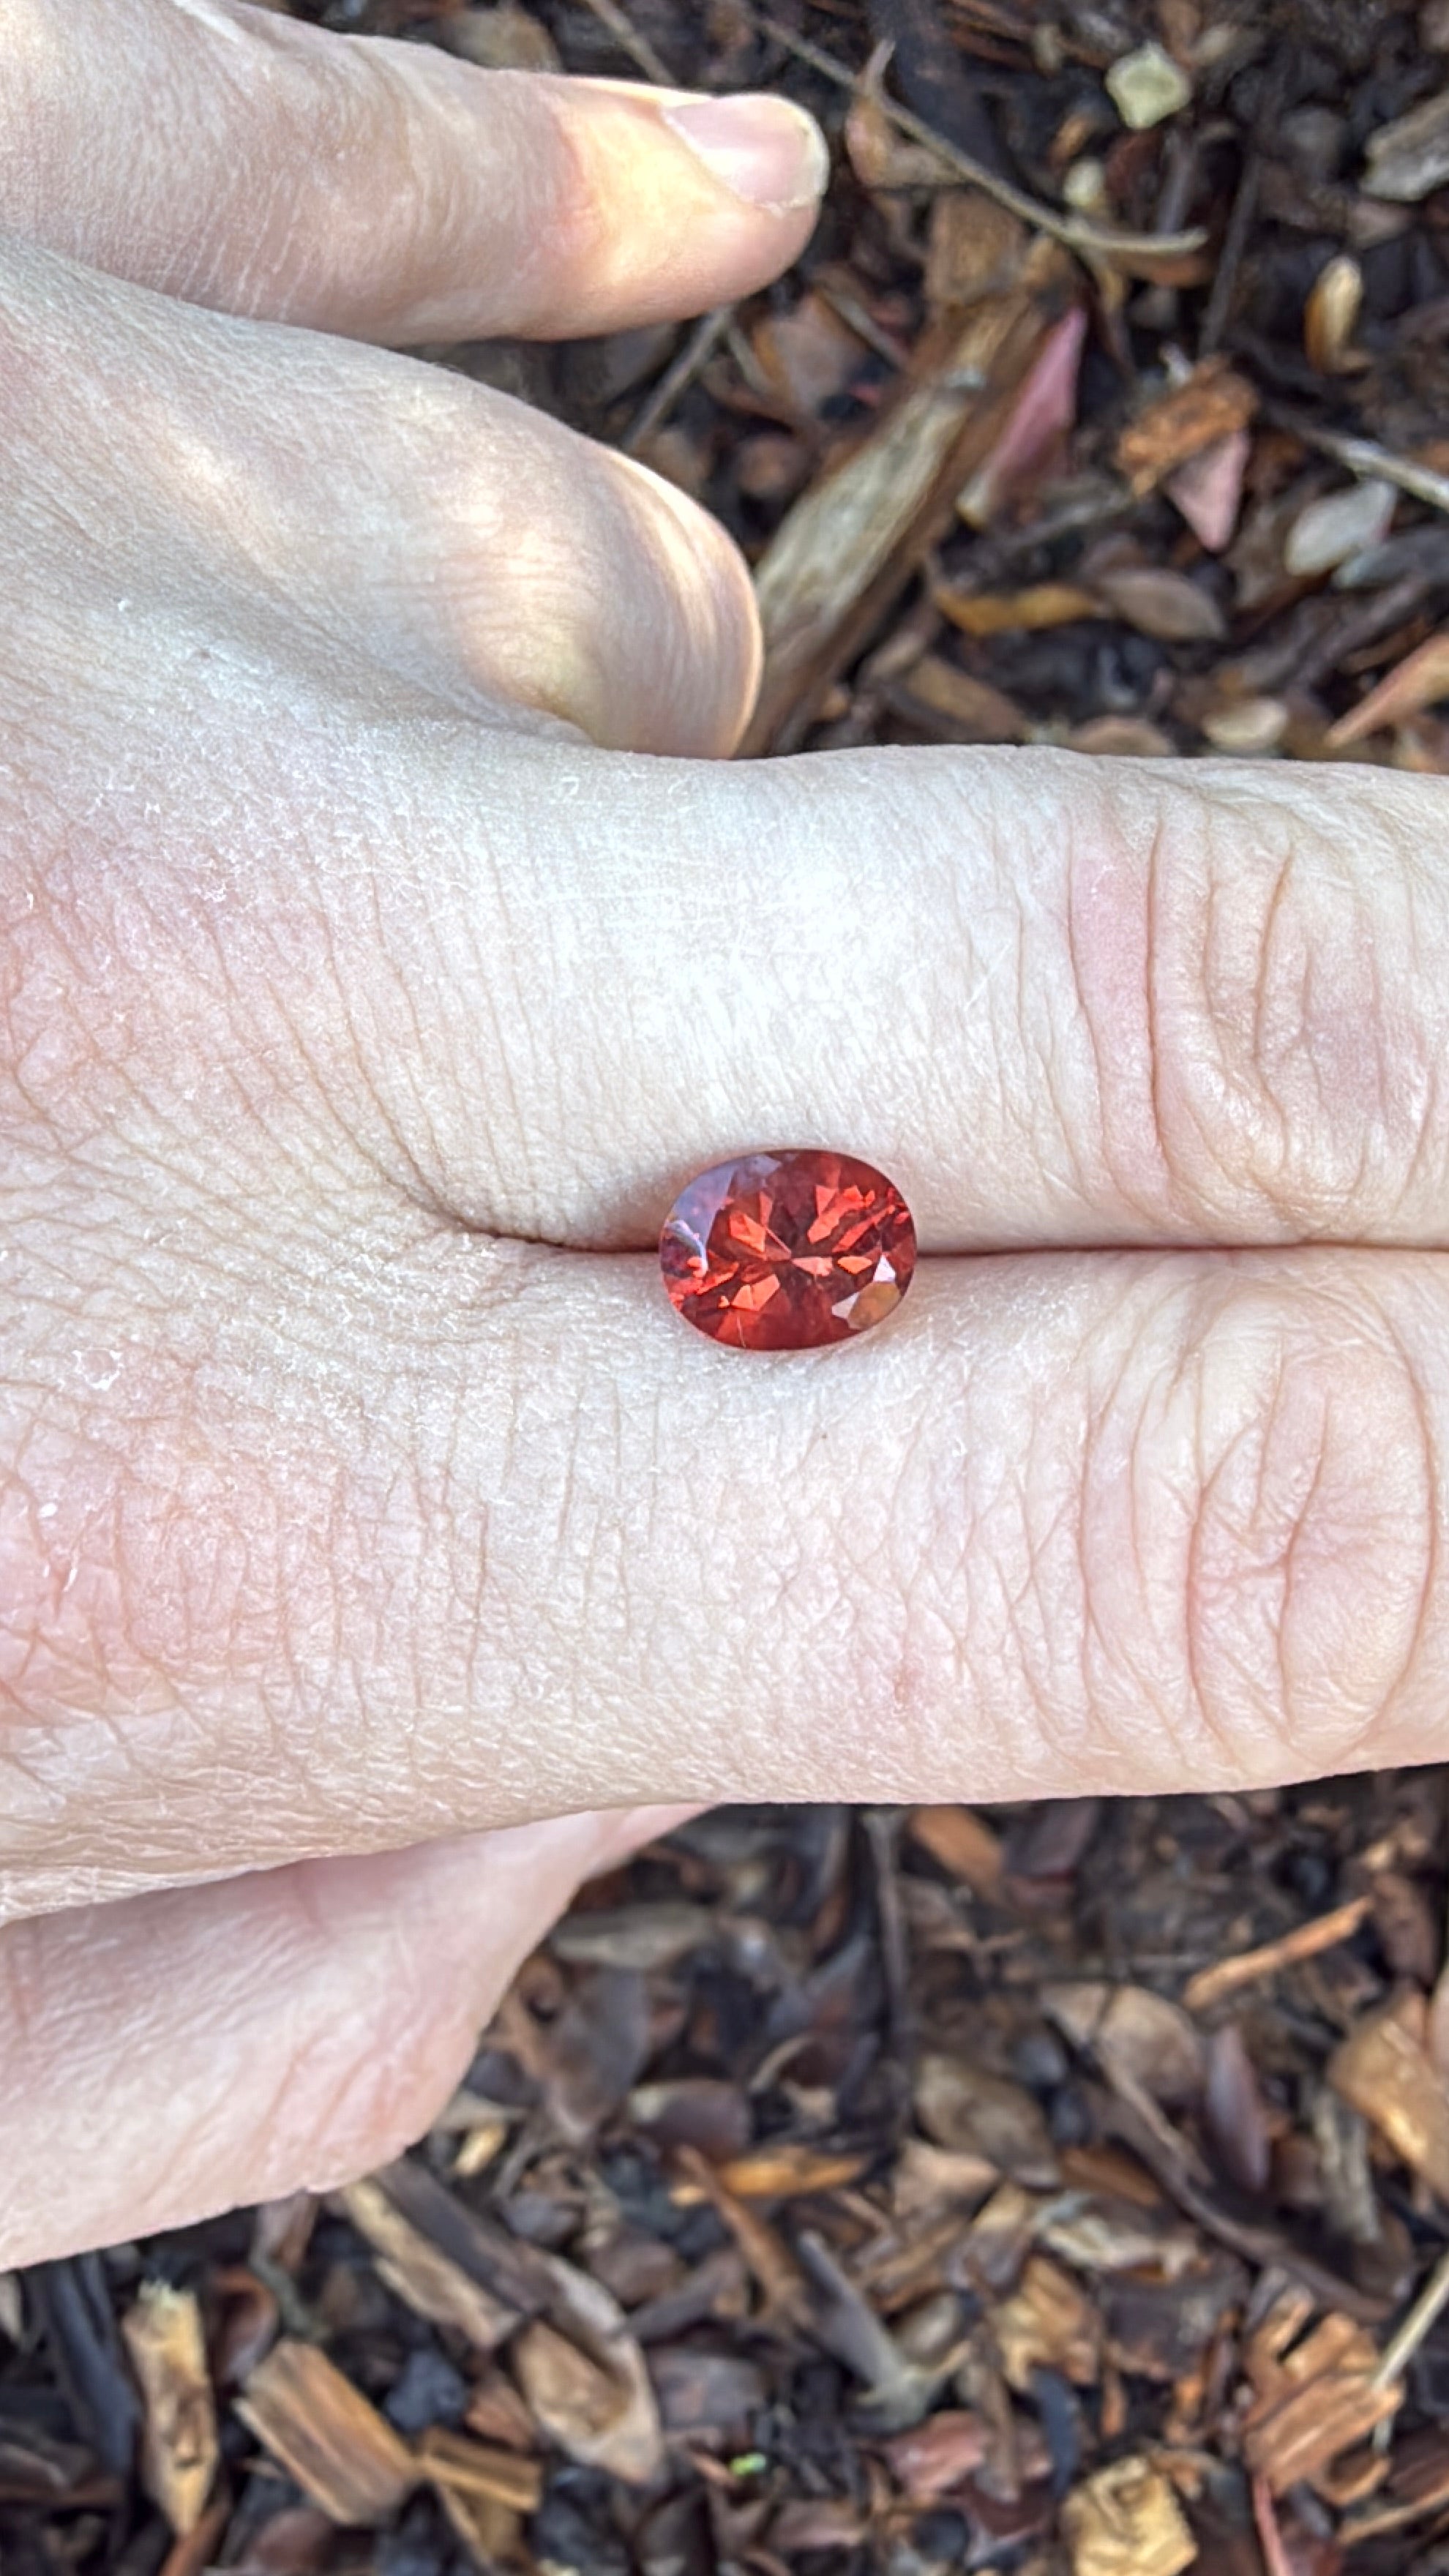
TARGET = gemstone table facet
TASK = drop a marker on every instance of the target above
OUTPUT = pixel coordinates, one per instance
(788, 1250)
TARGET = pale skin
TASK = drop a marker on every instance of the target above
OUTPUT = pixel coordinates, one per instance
(382, 943)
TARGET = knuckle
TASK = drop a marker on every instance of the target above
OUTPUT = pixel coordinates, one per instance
(1256, 1064)
(1269, 1589)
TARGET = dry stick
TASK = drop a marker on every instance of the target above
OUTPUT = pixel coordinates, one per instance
(703, 340)
(630, 42)
(1091, 241)
(1405, 2341)
(1365, 456)
(1247, 1966)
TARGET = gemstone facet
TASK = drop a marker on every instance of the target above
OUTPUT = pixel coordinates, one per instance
(787, 1250)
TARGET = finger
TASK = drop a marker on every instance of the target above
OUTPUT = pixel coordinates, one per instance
(1060, 1001)
(463, 1531)
(425, 546)
(385, 190)
(235, 2042)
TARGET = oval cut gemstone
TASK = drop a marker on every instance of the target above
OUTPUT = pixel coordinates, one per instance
(786, 1251)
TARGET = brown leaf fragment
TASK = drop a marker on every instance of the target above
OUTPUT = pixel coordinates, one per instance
(1042, 604)
(1316, 2395)
(1384, 2070)
(478, 2469)
(1048, 2323)
(942, 698)
(605, 2418)
(708, 2396)
(1164, 604)
(1419, 681)
(1408, 159)
(338, 2448)
(1211, 403)
(1145, 2035)
(934, 2457)
(959, 1839)
(974, 248)
(816, 2523)
(163, 2335)
(1126, 2521)
(584, 2378)
(966, 2106)
(501, 38)
(700, 2111)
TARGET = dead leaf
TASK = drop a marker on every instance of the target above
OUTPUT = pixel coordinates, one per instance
(1048, 2323)
(1126, 2521)
(501, 38)
(584, 2378)
(1208, 489)
(966, 2106)
(1408, 159)
(974, 248)
(644, 1937)
(1147, 2037)
(1419, 681)
(1042, 604)
(934, 2457)
(939, 693)
(338, 2448)
(1162, 603)
(1384, 2070)
(179, 2453)
(1337, 525)
(1210, 403)
(1041, 416)
(806, 355)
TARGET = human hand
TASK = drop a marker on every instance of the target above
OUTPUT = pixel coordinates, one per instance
(366, 999)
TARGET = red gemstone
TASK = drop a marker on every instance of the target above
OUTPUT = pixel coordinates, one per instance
(781, 1252)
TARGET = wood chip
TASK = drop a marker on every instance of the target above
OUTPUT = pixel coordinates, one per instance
(857, 534)
(479, 2469)
(784, 2171)
(1384, 2070)
(1048, 2323)
(341, 2452)
(1126, 2521)
(1210, 403)
(1317, 2395)
(435, 2284)
(179, 2453)
(961, 1841)
(1420, 680)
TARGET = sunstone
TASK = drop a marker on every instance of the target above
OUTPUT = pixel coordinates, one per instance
(787, 1251)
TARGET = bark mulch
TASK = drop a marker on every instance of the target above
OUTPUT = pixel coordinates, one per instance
(1048, 2189)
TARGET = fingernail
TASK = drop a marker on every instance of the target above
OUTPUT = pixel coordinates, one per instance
(762, 148)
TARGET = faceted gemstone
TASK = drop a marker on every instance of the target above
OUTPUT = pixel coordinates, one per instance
(784, 1251)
